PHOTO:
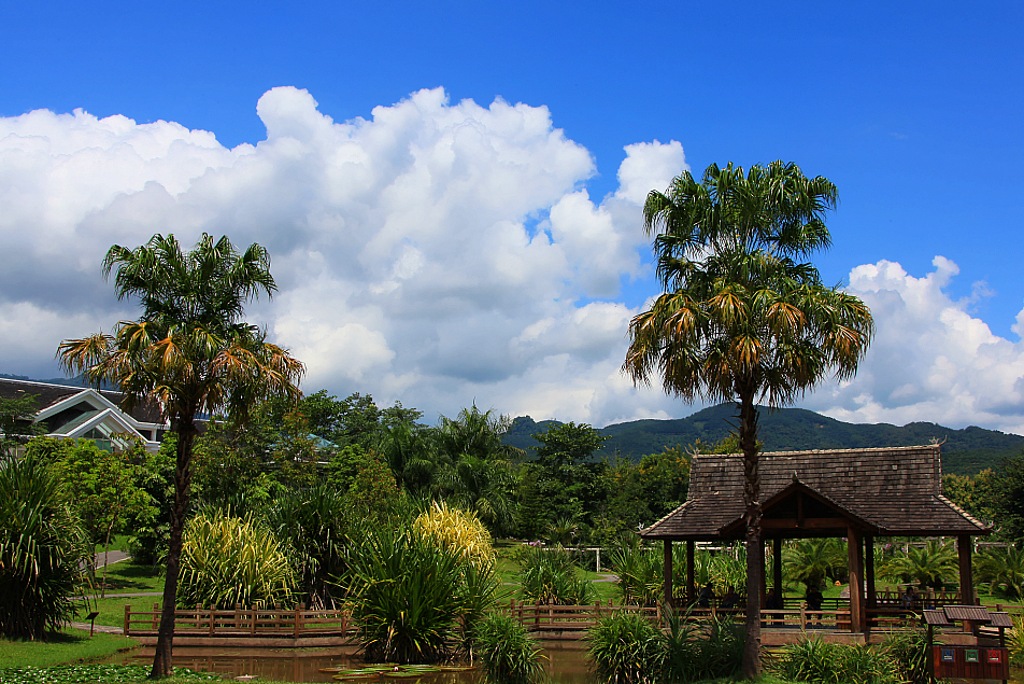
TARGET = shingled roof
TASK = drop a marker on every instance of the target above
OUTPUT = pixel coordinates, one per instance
(893, 491)
(47, 394)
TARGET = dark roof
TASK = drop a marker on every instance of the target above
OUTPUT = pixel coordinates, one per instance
(893, 491)
(47, 394)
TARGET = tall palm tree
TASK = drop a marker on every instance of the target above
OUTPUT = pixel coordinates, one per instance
(742, 318)
(190, 352)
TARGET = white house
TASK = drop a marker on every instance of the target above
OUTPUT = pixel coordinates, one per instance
(83, 412)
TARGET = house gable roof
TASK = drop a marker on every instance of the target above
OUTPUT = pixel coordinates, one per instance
(892, 491)
(75, 411)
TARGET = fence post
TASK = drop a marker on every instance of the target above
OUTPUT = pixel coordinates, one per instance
(298, 620)
(127, 617)
(212, 618)
(156, 616)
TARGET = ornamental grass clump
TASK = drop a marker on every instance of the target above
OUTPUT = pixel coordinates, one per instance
(43, 550)
(814, 660)
(228, 561)
(458, 530)
(1015, 642)
(627, 648)
(707, 650)
(415, 600)
(551, 576)
(509, 654)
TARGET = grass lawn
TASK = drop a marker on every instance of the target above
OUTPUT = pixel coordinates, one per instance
(72, 646)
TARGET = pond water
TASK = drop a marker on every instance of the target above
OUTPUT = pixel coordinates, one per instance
(565, 663)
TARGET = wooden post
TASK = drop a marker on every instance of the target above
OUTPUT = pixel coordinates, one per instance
(869, 569)
(963, 549)
(691, 576)
(855, 554)
(127, 617)
(156, 616)
(776, 568)
(667, 571)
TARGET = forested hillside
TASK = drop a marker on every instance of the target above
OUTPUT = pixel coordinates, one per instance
(964, 451)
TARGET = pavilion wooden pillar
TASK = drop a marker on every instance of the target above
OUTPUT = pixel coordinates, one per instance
(776, 567)
(855, 554)
(691, 573)
(963, 550)
(869, 569)
(667, 571)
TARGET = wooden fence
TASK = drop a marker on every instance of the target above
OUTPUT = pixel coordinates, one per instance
(550, 621)
(547, 621)
(253, 623)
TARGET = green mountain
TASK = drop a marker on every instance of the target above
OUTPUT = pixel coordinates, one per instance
(964, 451)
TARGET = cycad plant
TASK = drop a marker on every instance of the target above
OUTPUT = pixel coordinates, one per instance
(43, 549)
(228, 561)
(1003, 571)
(812, 561)
(932, 565)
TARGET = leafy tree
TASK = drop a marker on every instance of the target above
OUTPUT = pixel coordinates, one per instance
(16, 424)
(106, 490)
(150, 526)
(473, 467)
(1007, 488)
(572, 486)
(640, 493)
(411, 454)
(43, 549)
(475, 433)
(742, 319)
(191, 353)
(567, 445)
(973, 493)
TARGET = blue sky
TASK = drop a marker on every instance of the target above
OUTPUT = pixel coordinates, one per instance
(912, 110)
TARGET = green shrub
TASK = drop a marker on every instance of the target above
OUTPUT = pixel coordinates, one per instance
(627, 648)
(550, 576)
(312, 522)
(509, 654)
(408, 594)
(706, 650)
(908, 652)
(814, 660)
(1015, 642)
(639, 571)
(227, 561)
(43, 549)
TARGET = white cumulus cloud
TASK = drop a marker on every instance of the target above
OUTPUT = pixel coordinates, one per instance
(436, 253)
(931, 360)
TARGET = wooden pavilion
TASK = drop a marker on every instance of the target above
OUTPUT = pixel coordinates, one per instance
(859, 494)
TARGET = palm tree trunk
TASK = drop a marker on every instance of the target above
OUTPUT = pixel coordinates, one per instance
(162, 661)
(755, 548)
